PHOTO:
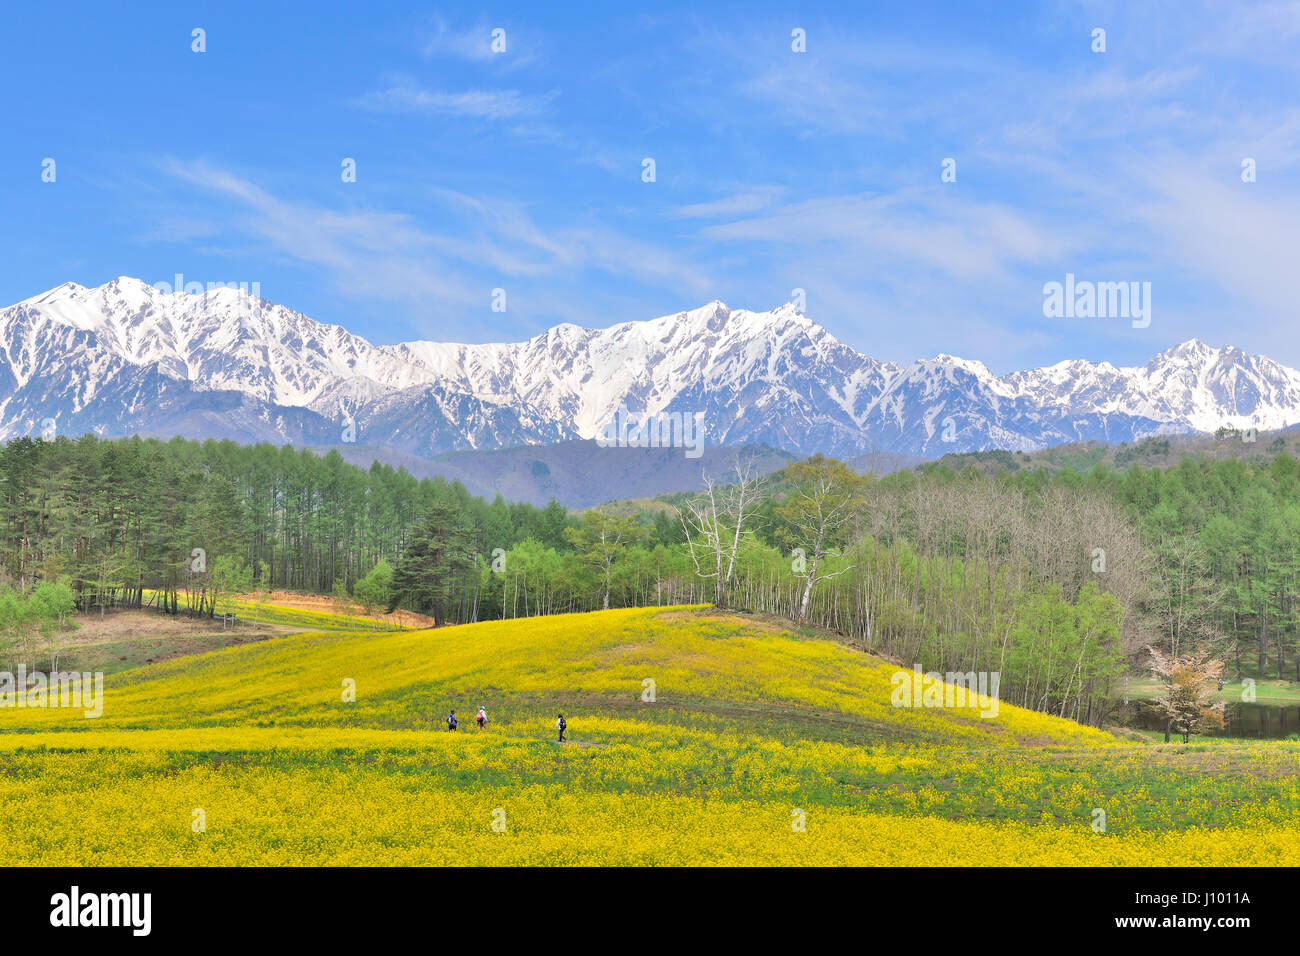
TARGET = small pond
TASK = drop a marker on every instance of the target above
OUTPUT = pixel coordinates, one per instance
(1265, 720)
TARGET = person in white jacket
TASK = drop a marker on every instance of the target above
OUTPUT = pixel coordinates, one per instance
(482, 717)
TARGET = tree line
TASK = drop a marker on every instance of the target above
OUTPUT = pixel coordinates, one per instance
(1058, 581)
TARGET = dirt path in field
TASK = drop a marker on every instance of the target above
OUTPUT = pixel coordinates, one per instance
(115, 626)
(126, 638)
(121, 639)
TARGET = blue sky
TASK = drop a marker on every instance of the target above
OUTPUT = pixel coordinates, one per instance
(775, 170)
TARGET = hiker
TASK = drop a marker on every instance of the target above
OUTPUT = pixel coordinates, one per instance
(560, 724)
(451, 721)
(482, 717)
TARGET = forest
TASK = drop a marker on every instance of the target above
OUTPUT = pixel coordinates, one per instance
(1059, 581)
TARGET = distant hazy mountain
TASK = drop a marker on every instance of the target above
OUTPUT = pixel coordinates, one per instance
(125, 358)
(579, 474)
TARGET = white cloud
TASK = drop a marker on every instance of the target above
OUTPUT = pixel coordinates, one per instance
(388, 256)
(442, 40)
(477, 104)
(745, 202)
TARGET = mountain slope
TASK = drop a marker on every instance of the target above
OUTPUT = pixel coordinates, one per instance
(577, 473)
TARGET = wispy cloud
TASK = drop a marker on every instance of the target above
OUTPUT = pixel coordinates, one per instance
(745, 202)
(368, 253)
(473, 43)
(957, 238)
(477, 104)
(363, 252)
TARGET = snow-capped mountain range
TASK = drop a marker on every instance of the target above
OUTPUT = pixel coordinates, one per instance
(126, 358)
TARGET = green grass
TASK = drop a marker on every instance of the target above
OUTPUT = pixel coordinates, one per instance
(111, 657)
(1266, 691)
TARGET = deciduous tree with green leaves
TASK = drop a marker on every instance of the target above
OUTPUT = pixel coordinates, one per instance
(602, 540)
(824, 501)
(375, 590)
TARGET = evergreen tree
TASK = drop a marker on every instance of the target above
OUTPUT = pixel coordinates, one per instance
(435, 564)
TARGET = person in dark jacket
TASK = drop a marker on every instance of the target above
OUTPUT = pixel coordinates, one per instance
(560, 724)
(451, 721)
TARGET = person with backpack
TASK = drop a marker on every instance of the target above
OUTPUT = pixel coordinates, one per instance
(482, 717)
(560, 724)
(451, 721)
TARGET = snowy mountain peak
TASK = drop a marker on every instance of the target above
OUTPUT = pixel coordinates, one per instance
(1193, 350)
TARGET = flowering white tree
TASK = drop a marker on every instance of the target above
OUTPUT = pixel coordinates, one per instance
(1189, 681)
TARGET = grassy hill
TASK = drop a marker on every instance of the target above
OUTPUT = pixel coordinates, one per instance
(754, 727)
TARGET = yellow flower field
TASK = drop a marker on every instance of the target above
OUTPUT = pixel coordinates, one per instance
(753, 745)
